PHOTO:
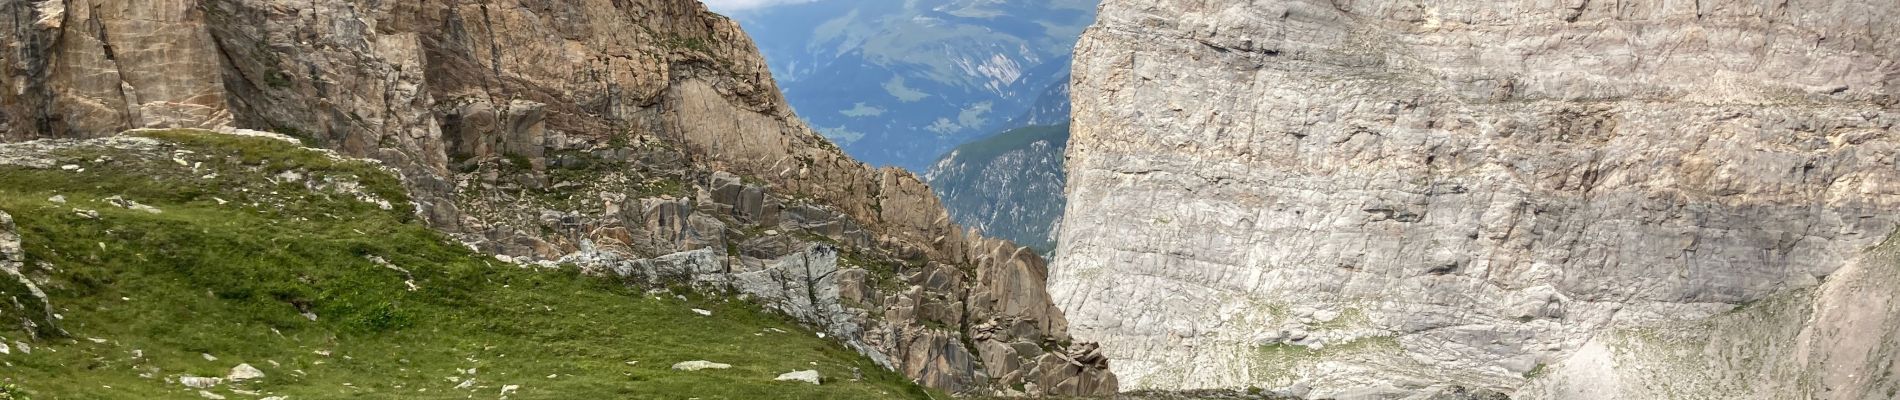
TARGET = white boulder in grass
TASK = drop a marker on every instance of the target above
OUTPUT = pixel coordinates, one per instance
(807, 376)
(696, 365)
(244, 372)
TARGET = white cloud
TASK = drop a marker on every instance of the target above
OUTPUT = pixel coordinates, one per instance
(726, 6)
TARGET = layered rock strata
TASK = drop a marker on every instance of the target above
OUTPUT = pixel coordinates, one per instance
(1392, 198)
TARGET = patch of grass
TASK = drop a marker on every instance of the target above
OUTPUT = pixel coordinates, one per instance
(518, 161)
(1350, 317)
(1536, 371)
(689, 43)
(233, 280)
(1276, 363)
(663, 186)
(10, 391)
(277, 79)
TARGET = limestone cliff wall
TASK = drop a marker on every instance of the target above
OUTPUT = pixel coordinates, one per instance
(547, 129)
(1371, 198)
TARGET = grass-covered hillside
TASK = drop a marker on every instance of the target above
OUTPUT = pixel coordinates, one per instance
(183, 253)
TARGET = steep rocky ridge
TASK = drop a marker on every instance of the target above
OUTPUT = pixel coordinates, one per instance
(1387, 198)
(578, 130)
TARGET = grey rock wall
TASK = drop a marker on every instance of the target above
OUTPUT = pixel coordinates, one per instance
(1389, 198)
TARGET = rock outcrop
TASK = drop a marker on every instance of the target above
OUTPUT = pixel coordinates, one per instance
(1393, 198)
(605, 130)
(26, 304)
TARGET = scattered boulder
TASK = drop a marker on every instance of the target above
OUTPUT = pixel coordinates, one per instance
(199, 382)
(132, 205)
(243, 372)
(702, 312)
(213, 396)
(807, 376)
(1080, 370)
(696, 365)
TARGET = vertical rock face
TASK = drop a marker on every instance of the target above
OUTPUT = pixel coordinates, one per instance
(622, 134)
(1392, 197)
(120, 64)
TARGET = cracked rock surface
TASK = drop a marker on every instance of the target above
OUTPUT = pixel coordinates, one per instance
(1391, 198)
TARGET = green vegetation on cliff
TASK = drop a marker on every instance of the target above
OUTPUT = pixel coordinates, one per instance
(195, 252)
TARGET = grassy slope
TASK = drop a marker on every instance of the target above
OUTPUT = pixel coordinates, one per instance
(231, 281)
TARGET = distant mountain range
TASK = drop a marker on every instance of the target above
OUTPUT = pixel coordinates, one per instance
(1010, 184)
(902, 82)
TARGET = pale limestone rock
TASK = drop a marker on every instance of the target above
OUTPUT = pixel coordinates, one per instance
(1826, 342)
(198, 382)
(807, 376)
(1477, 188)
(699, 365)
(243, 372)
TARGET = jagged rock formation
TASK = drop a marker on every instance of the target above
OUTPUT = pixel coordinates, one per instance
(27, 306)
(550, 130)
(1388, 198)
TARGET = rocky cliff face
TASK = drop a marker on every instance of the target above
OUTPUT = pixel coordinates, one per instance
(634, 137)
(1388, 198)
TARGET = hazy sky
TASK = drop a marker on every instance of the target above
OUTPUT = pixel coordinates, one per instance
(726, 6)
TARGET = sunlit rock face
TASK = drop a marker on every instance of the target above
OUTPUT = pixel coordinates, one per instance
(1390, 198)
